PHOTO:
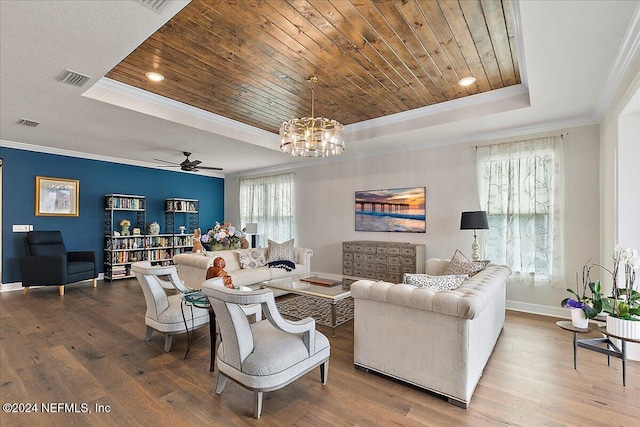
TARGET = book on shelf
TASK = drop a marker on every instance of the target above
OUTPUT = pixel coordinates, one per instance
(181, 206)
(116, 202)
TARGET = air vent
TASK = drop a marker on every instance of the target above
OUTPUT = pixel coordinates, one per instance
(73, 78)
(30, 123)
(157, 6)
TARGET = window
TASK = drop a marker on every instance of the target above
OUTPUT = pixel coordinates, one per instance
(268, 201)
(520, 188)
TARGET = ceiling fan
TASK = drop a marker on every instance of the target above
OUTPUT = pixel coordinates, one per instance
(188, 165)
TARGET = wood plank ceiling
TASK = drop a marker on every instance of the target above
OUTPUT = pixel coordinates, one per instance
(249, 60)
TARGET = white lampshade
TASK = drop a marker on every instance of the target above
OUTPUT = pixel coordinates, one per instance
(251, 228)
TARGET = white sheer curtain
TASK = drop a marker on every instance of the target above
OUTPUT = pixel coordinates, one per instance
(268, 201)
(521, 188)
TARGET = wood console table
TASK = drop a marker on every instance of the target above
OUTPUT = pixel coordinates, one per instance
(594, 344)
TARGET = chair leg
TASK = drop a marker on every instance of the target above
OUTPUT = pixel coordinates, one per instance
(324, 372)
(257, 404)
(25, 290)
(168, 338)
(95, 282)
(61, 289)
(222, 380)
(147, 336)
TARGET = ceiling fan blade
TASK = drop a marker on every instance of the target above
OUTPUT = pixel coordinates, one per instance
(166, 161)
(210, 168)
(195, 163)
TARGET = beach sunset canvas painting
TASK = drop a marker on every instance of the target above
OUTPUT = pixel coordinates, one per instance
(400, 209)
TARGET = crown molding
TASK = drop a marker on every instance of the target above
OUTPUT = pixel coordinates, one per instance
(126, 96)
(130, 97)
(88, 156)
(478, 105)
(518, 40)
(629, 50)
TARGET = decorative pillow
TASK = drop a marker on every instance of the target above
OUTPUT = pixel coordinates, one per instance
(460, 264)
(251, 258)
(281, 251)
(437, 283)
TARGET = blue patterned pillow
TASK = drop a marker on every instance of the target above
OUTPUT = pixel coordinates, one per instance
(437, 283)
(251, 258)
(281, 251)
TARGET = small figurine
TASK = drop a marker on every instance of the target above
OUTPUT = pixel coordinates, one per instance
(197, 244)
(217, 270)
(244, 243)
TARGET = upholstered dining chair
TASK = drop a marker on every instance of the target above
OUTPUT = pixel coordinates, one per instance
(254, 310)
(166, 275)
(165, 313)
(266, 355)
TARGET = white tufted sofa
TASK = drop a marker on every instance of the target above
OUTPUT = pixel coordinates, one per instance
(437, 340)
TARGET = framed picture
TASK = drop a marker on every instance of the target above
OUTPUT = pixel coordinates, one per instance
(399, 209)
(57, 196)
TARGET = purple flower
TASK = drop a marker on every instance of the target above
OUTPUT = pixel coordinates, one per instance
(574, 304)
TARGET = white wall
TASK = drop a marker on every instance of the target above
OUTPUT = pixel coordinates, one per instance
(609, 157)
(324, 204)
(629, 178)
(619, 169)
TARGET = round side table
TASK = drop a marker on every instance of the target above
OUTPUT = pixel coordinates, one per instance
(568, 326)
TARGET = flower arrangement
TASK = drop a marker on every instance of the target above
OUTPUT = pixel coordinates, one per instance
(624, 302)
(125, 223)
(226, 235)
(590, 305)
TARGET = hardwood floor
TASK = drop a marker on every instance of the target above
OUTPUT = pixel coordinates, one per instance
(87, 347)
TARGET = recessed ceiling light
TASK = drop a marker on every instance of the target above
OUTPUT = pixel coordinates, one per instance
(154, 76)
(466, 81)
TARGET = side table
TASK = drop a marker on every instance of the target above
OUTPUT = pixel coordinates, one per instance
(594, 344)
(198, 299)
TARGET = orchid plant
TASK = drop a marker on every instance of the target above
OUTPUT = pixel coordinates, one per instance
(590, 305)
(625, 301)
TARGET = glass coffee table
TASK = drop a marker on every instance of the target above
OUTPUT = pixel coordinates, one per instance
(332, 287)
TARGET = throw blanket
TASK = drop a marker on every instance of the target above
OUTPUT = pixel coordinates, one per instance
(287, 265)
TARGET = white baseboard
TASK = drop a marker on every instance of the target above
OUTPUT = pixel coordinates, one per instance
(17, 286)
(543, 310)
(9, 287)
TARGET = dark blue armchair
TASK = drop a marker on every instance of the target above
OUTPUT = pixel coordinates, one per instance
(47, 262)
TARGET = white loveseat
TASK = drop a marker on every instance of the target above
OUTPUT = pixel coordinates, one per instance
(437, 340)
(192, 267)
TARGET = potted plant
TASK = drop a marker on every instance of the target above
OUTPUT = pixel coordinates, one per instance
(224, 237)
(584, 307)
(623, 307)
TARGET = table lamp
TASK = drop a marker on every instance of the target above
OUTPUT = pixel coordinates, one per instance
(474, 220)
(252, 229)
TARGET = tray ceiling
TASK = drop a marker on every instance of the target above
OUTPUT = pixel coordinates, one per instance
(250, 60)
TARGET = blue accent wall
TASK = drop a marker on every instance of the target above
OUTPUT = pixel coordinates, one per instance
(97, 178)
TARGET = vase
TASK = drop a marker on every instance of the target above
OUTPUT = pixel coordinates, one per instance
(579, 319)
(629, 329)
(125, 230)
(154, 228)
